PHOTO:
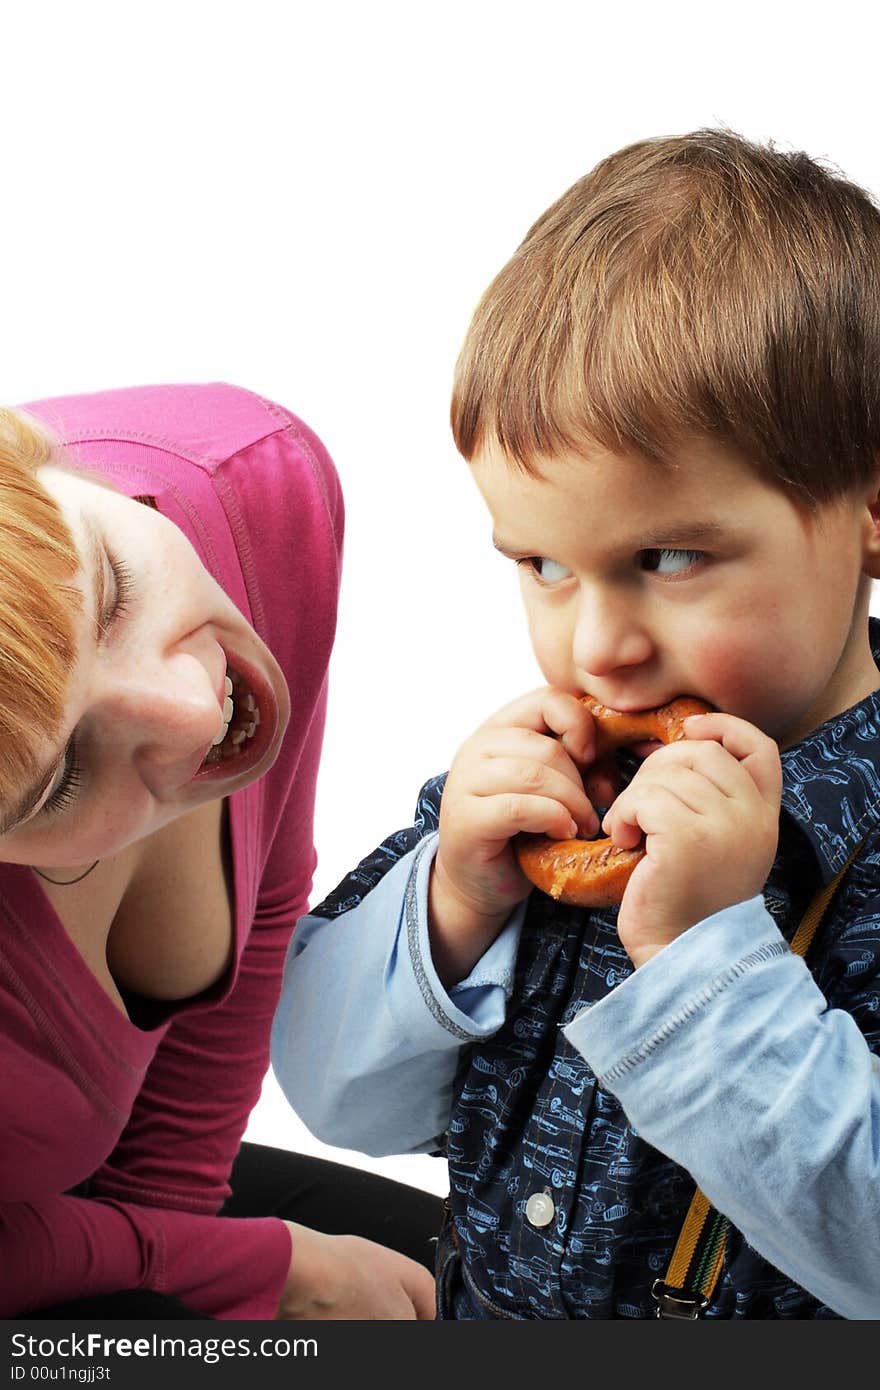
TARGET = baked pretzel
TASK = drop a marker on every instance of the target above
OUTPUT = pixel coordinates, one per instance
(594, 873)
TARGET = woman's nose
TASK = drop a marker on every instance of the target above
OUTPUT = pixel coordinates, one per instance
(165, 711)
(608, 635)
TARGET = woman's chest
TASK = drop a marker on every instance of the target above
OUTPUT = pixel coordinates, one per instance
(159, 923)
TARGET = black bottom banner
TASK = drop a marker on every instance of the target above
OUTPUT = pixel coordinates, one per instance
(168, 1354)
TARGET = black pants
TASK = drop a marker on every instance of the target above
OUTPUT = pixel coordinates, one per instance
(328, 1197)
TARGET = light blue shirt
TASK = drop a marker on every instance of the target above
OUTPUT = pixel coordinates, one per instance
(720, 1049)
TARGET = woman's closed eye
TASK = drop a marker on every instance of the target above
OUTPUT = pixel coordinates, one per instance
(547, 571)
(668, 562)
(123, 590)
(67, 789)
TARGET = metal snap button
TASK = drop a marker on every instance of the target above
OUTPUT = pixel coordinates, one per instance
(540, 1209)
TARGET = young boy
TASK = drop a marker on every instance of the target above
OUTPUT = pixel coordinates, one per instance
(670, 400)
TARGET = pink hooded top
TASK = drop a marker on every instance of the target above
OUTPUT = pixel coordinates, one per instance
(156, 1116)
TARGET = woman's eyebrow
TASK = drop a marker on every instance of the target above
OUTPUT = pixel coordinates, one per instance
(95, 571)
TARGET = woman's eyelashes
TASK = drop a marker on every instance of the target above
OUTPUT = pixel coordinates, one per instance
(71, 779)
(64, 795)
(123, 590)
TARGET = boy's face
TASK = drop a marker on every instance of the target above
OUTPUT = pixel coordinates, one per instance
(643, 583)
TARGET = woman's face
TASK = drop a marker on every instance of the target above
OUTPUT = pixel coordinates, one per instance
(148, 731)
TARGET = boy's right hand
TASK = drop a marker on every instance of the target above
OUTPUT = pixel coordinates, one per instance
(521, 770)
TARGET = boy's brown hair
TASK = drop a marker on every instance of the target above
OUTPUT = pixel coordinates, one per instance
(699, 285)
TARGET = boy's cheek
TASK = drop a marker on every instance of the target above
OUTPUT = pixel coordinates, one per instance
(552, 654)
(732, 673)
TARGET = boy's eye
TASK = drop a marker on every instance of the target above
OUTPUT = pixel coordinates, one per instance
(668, 562)
(549, 571)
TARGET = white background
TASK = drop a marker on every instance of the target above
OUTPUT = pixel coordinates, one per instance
(308, 199)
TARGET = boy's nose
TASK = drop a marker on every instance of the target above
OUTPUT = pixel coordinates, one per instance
(607, 636)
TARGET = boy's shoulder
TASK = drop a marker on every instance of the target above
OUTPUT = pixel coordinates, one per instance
(374, 866)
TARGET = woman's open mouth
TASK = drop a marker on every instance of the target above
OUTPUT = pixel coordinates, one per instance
(242, 719)
(250, 719)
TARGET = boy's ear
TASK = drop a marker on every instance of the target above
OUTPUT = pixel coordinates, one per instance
(871, 538)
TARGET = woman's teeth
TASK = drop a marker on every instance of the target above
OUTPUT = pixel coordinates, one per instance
(228, 711)
(241, 718)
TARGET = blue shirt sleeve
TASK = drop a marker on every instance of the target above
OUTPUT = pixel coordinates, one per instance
(366, 1041)
(726, 1057)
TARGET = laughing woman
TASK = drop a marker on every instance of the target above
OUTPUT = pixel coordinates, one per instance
(168, 588)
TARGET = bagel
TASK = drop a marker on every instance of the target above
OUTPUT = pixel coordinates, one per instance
(594, 873)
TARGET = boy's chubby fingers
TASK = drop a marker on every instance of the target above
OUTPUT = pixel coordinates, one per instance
(549, 710)
(660, 806)
(501, 817)
(708, 762)
(516, 742)
(516, 762)
(673, 794)
(754, 750)
(534, 778)
(503, 745)
(602, 782)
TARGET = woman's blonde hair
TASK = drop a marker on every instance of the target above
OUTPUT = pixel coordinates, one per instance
(697, 285)
(38, 603)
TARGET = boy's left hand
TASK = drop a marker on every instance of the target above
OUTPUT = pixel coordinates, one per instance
(708, 807)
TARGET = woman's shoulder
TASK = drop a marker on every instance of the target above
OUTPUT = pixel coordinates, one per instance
(258, 453)
(206, 422)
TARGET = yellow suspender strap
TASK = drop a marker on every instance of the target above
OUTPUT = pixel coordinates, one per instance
(699, 1251)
